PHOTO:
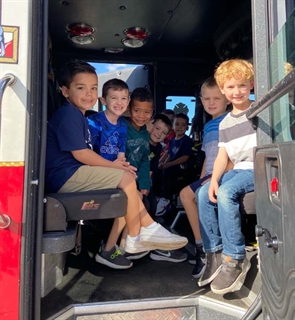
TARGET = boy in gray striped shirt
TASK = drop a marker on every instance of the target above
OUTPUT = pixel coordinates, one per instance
(224, 243)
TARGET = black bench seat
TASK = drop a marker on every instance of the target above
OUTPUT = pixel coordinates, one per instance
(90, 205)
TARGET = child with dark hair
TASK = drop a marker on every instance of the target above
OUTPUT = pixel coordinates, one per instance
(108, 132)
(161, 128)
(72, 165)
(180, 150)
(170, 114)
(137, 145)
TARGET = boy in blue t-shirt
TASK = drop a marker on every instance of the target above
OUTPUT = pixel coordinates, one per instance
(72, 165)
(180, 150)
(108, 136)
(215, 104)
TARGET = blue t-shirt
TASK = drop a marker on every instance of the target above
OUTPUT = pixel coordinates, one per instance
(67, 131)
(210, 141)
(107, 139)
(180, 147)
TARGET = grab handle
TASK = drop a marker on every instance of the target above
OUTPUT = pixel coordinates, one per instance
(7, 80)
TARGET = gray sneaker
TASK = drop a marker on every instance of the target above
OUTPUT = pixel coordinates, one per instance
(113, 258)
(171, 256)
(231, 276)
(213, 266)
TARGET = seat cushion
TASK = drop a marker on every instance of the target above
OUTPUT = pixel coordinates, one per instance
(89, 205)
(247, 203)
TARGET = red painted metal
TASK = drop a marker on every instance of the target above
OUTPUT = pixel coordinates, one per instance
(11, 204)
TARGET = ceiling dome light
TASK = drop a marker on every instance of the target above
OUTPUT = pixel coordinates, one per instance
(136, 33)
(82, 39)
(80, 29)
(113, 50)
(133, 43)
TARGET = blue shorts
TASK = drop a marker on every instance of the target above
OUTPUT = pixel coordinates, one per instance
(197, 184)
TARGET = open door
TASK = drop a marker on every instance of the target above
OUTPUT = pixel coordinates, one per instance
(274, 158)
(275, 203)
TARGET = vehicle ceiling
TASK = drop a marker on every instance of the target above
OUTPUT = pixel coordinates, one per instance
(199, 31)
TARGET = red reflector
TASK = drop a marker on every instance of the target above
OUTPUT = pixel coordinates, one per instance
(274, 185)
(137, 33)
(80, 29)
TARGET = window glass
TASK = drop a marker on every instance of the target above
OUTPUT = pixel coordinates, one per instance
(182, 104)
(282, 61)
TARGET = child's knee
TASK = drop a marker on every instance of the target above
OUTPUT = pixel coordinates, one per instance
(186, 194)
(128, 180)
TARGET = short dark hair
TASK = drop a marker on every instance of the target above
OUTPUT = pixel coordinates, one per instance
(141, 94)
(72, 68)
(182, 116)
(115, 84)
(163, 118)
(168, 112)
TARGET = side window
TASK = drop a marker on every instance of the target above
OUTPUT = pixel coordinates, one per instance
(282, 61)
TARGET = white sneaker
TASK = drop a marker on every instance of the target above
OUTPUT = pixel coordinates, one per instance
(161, 206)
(160, 238)
(132, 246)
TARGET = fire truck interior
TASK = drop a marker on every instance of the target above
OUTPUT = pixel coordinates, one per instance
(180, 43)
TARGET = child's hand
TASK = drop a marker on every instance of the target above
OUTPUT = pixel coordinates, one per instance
(212, 191)
(145, 192)
(166, 165)
(160, 166)
(121, 163)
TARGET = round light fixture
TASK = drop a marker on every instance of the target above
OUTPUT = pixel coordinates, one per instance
(82, 40)
(136, 33)
(113, 50)
(133, 43)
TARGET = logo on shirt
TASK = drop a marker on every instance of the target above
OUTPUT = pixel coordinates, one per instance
(111, 143)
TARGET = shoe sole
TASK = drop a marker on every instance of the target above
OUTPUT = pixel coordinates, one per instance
(138, 256)
(166, 246)
(199, 275)
(238, 282)
(101, 260)
(163, 258)
(202, 283)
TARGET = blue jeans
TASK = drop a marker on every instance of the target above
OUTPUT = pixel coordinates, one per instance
(220, 224)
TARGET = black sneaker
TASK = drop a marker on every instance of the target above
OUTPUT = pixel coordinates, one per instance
(135, 256)
(213, 266)
(171, 256)
(231, 276)
(200, 262)
(113, 258)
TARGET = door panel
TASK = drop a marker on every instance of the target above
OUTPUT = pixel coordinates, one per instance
(275, 204)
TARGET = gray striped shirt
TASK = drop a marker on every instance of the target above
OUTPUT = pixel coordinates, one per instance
(238, 137)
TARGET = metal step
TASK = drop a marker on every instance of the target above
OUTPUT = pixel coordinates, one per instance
(153, 309)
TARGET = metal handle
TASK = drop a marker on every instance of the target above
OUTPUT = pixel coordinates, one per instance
(4, 221)
(7, 80)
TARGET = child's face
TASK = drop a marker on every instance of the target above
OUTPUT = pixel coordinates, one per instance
(140, 113)
(116, 101)
(158, 132)
(180, 126)
(214, 101)
(237, 92)
(82, 92)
